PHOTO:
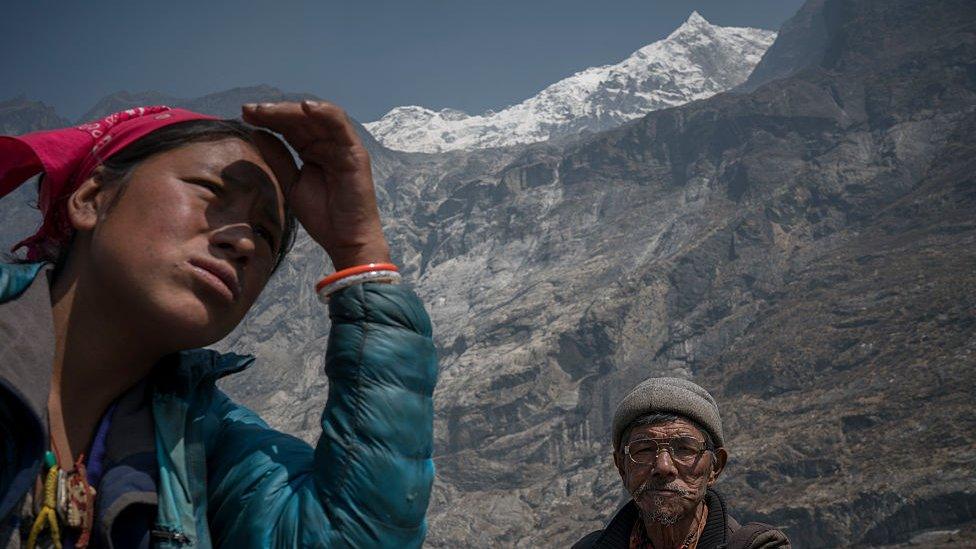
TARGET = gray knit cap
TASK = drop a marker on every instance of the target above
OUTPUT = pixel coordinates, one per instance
(672, 395)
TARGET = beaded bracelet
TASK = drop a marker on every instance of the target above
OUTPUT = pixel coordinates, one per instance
(373, 272)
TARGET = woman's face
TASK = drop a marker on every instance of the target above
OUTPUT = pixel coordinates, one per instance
(191, 241)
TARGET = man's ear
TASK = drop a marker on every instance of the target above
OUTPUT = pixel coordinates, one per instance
(87, 202)
(718, 464)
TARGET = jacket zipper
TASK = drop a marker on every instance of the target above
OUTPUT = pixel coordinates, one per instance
(176, 537)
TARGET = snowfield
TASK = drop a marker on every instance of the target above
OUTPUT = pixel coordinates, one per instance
(694, 62)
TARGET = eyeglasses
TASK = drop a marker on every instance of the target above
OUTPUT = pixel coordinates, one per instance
(684, 451)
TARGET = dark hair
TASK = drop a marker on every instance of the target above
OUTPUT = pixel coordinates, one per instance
(659, 418)
(120, 166)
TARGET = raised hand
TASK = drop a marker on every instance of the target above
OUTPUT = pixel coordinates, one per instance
(333, 197)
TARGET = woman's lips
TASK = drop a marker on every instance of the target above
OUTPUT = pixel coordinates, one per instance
(220, 278)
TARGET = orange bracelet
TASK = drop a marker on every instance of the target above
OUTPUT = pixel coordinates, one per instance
(358, 269)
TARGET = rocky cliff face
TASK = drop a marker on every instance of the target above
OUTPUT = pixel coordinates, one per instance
(804, 248)
(805, 251)
(20, 115)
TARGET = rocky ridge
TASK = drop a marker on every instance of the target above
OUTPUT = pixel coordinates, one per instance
(225, 104)
(20, 115)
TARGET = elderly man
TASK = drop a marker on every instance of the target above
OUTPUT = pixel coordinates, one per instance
(668, 447)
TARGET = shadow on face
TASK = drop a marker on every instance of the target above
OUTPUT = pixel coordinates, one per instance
(278, 157)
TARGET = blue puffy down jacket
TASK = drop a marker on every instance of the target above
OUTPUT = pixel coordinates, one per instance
(227, 479)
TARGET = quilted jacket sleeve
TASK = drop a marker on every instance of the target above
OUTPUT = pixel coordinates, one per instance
(368, 480)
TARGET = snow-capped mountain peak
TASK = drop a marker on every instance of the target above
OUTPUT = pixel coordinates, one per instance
(694, 20)
(695, 61)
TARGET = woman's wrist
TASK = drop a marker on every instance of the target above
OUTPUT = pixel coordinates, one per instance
(377, 252)
(359, 274)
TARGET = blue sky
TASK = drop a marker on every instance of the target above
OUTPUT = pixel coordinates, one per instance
(368, 56)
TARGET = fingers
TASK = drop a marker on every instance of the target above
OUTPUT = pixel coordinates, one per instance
(304, 123)
(336, 159)
(285, 118)
(333, 119)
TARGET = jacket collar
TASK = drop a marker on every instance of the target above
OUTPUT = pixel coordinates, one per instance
(27, 332)
(716, 529)
(181, 373)
(617, 532)
(17, 277)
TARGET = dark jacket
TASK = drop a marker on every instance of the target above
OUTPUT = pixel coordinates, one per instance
(721, 531)
(219, 475)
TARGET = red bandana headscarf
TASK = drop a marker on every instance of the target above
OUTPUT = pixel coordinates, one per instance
(69, 156)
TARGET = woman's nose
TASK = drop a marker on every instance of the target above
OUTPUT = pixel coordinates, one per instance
(236, 242)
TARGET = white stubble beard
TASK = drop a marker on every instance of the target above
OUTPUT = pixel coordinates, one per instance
(657, 515)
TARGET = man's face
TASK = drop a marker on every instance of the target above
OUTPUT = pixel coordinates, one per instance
(667, 489)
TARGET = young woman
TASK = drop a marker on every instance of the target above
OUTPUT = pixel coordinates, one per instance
(161, 227)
